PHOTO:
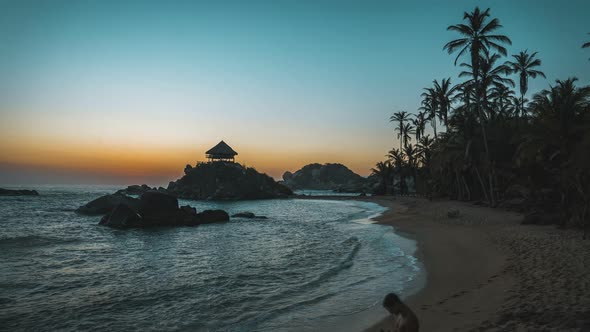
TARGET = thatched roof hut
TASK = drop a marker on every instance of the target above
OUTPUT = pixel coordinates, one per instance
(221, 152)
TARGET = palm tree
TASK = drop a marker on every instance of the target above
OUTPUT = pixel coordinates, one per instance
(562, 105)
(419, 123)
(430, 107)
(397, 159)
(477, 38)
(524, 66)
(424, 148)
(502, 97)
(586, 45)
(444, 95)
(489, 75)
(384, 170)
(558, 145)
(412, 164)
(407, 131)
(400, 118)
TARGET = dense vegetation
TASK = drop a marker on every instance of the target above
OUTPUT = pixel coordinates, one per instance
(496, 147)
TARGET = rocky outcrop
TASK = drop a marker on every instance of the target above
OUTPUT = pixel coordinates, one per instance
(107, 203)
(248, 215)
(226, 181)
(336, 177)
(157, 209)
(121, 217)
(138, 189)
(18, 192)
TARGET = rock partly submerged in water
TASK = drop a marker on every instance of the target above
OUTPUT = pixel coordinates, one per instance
(122, 216)
(18, 192)
(105, 204)
(248, 215)
(139, 189)
(158, 209)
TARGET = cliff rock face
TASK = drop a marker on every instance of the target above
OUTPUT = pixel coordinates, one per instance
(226, 181)
(335, 177)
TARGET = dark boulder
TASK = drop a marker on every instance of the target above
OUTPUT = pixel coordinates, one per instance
(212, 216)
(157, 209)
(122, 217)
(188, 210)
(18, 192)
(248, 215)
(107, 203)
(244, 215)
(157, 203)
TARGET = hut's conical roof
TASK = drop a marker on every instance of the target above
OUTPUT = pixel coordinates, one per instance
(222, 149)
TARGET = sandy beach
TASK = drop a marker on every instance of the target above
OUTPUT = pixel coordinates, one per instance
(486, 272)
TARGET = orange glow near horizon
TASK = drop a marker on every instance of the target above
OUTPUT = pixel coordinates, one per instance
(136, 161)
(131, 146)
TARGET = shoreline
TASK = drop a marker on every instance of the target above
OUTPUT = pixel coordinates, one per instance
(485, 271)
(454, 278)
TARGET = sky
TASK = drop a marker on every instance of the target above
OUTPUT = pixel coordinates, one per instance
(131, 91)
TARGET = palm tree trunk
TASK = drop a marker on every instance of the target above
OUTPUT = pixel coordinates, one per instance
(487, 152)
(483, 186)
(433, 122)
(466, 188)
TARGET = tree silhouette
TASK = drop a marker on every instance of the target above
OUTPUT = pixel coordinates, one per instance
(524, 65)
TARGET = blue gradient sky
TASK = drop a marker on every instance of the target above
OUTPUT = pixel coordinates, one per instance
(131, 92)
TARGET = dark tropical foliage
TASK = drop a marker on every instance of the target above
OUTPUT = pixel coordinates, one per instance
(498, 149)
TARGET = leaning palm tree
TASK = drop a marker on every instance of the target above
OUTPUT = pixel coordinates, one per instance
(400, 118)
(524, 66)
(586, 45)
(477, 37)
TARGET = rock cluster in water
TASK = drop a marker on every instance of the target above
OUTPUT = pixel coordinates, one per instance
(139, 189)
(107, 203)
(18, 192)
(152, 209)
(226, 181)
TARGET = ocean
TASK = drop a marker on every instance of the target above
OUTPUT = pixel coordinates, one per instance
(312, 265)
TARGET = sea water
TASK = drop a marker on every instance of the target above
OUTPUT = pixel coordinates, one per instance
(311, 265)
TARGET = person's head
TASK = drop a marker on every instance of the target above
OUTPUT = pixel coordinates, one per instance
(391, 302)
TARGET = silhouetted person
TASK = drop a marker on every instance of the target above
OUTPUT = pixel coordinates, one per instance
(405, 319)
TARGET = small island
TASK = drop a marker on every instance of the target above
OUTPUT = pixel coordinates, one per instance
(18, 192)
(221, 178)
